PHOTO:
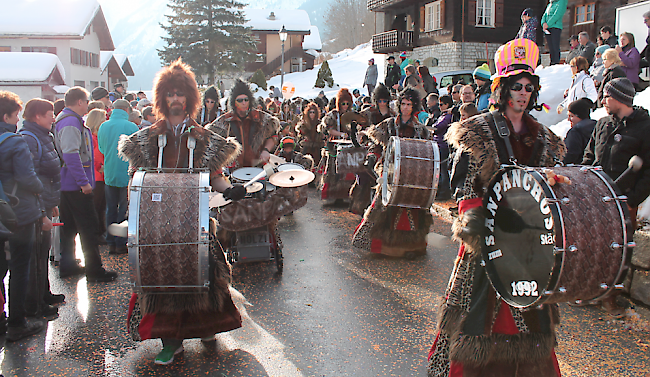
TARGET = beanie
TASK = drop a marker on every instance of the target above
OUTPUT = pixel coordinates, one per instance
(622, 90)
(602, 49)
(98, 93)
(483, 72)
(581, 108)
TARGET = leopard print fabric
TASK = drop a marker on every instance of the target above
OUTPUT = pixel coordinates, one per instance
(134, 322)
(439, 362)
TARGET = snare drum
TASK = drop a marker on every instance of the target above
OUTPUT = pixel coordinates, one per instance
(243, 175)
(411, 173)
(549, 244)
(168, 232)
(350, 159)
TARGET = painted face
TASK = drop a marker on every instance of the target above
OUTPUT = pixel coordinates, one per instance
(176, 102)
(242, 103)
(520, 94)
(406, 108)
(45, 120)
(12, 118)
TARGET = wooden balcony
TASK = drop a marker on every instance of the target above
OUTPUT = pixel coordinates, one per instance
(381, 5)
(392, 41)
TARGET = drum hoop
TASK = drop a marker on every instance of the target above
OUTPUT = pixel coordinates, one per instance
(436, 173)
(134, 230)
(172, 170)
(622, 211)
(393, 150)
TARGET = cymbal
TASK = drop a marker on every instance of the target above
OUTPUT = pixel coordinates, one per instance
(276, 161)
(119, 230)
(292, 178)
(349, 116)
(217, 200)
(254, 187)
(341, 141)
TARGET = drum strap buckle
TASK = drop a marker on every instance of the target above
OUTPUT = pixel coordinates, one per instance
(502, 128)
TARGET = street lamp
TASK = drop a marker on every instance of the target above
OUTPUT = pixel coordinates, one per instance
(283, 38)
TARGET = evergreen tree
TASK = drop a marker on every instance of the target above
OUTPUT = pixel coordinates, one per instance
(209, 35)
(259, 79)
(324, 76)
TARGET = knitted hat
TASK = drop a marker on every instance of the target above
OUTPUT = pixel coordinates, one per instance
(581, 107)
(482, 72)
(622, 90)
(528, 12)
(602, 49)
(402, 54)
(99, 93)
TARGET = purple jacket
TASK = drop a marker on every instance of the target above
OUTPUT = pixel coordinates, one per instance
(631, 58)
(440, 128)
(75, 145)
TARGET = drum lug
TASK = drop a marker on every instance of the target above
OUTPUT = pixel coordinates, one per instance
(557, 250)
(548, 293)
(562, 201)
(206, 283)
(482, 263)
(578, 302)
(573, 248)
(619, 286)
(631, 244)
(561, 290)
(604, 286)
(608, 199)
(616, 245)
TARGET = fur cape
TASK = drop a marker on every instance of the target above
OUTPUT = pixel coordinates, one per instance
(212, 151)
(177, 76)
(269, 126)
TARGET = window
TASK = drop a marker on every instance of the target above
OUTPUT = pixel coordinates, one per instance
(80, 83)
(585, 13)
(50, 50)
(94, 84)
(485, 13)
(103, 84)
(433, 16)
(84, 58)
(5, 48)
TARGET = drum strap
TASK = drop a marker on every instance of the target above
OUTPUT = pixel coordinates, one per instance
(504, 132)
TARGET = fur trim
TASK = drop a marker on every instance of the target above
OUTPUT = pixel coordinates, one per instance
(383, 226)
(380, 134)
(239, 88)
(270, 126)
(176, 76)
(464, 230)
(343, 95)
(212, 151)
(480, 350)
(381, 92)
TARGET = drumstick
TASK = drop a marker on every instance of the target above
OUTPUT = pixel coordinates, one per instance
(57, 224)
(255, 179)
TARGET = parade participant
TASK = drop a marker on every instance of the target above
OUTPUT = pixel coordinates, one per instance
(394, 231)
(210, 109)
(309, 139)
(478, 333)
(174, 317)
(335, 186)
(287, 113)
(615, 139)
(287, 150)
(255, 130)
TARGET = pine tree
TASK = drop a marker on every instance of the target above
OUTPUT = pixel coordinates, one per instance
(209, 35)
(258, 79)
(324, 76)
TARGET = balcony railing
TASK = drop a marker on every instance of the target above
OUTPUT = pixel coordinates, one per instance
(392, 41)
(378, 5)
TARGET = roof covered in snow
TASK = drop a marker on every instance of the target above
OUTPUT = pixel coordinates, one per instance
(124, 63)
(108, 61)
(312, 41)
(31, 67)
(54, 18)
(296, 20)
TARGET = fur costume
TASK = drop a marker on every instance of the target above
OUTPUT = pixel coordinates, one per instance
(309, 139)
(332, 185)
(411, 95)
(343, 95)
(206, 116)
(381, 92)
(393, 231)
(478, 334)
(176, 76)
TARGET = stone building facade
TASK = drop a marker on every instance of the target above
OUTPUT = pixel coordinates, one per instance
(452, 56)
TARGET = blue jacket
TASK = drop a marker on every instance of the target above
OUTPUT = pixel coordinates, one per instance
(48, 166)
(17, 168)
(115, 169)
(74, 143)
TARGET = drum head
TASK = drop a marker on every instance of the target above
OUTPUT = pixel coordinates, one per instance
(246, 174)
(518, 249)
(254, 187)
(290, 166)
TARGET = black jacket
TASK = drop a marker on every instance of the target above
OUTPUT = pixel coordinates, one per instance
(609, 74)
(48, 167)
(393, 74)
(612, 144)
(576, 141)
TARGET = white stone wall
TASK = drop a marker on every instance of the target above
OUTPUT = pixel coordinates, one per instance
(451, 55)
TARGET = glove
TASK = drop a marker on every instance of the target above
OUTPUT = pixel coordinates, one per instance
(371, 160)
(234, 193)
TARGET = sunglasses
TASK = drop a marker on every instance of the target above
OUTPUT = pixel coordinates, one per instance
(516, 87)
(455, 92)
(345, 103)
(240, 100)
(312, 112)
(177, 94)
(382, 101)
(209, 101)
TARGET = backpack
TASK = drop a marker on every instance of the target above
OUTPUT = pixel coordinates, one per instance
(4, 137)
(8, 219)
(39, 147)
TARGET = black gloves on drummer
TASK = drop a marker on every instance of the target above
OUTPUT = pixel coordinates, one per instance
(235, 192)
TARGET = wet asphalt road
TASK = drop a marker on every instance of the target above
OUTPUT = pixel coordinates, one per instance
(334, 311)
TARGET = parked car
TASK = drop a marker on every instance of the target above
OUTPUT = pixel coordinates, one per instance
(463, 76)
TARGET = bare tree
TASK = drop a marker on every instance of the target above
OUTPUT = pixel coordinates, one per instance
(349, 23)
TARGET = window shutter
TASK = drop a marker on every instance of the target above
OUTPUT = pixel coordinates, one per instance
(498, 13)
(442, 14)
(423, 19)
(471, 12)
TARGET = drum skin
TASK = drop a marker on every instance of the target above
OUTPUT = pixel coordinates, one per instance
(411, 173)
(350, 159)
(168, 242)
(560, 248)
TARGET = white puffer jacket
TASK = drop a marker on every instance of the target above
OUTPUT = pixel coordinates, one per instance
(581, 87)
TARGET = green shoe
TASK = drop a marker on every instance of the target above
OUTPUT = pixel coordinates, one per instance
(166, 356)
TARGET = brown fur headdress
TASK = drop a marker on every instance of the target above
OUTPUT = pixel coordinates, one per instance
(176, 76)
(341, 96)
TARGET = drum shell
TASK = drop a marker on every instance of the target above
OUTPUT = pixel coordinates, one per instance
(582, 264)
(411, 173)
(168, 232)
(350, 159)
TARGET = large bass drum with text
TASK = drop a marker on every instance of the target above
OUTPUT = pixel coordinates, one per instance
(169, 232)
(548, 244)
(411, 172)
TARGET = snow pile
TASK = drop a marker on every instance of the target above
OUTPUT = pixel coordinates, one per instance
(28, 66)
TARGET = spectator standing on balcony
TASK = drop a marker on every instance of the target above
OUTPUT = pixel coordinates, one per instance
(393, 74)
(371, 76)
(552, 26)
(529, 25)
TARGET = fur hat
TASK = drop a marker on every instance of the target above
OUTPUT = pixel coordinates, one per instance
(343, 95)
(380, 92)
(237, 90)
(176, 76)
(411, 95)
(211, 93)
(310, 106)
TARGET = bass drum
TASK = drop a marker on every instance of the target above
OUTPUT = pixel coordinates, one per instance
(168, 232)
(411, 173)
(548, 244)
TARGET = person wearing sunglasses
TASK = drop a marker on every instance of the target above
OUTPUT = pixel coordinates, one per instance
(477, 326)
(309, 139)
(334, 186)
(211, 109)
(175, 317)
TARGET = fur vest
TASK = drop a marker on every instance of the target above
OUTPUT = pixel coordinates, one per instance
(263, 126)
